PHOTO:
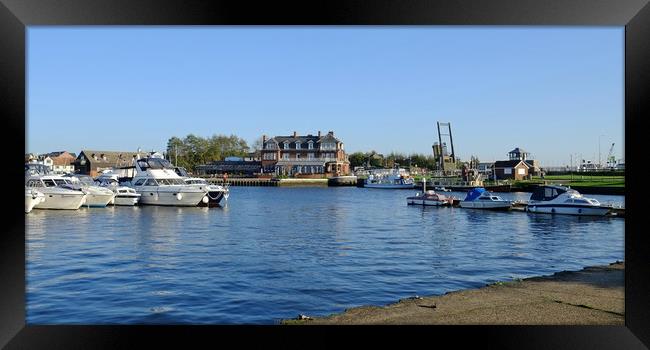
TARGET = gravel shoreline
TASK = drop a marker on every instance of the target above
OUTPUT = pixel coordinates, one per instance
(592, 296)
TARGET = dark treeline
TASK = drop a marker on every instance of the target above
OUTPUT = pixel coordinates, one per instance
(374, 159)
(377, 160)
(195, 150)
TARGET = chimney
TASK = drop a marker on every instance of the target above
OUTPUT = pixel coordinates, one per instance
(263, 138)
(318, 133)
(295, 134)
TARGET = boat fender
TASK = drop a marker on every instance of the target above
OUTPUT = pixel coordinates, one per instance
(205, 199)
(179, 196)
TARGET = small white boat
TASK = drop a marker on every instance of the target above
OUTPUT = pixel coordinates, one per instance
(389, 179)
(442, 189)
(554, 199)
(479, 198)
(429, 198)
(125, 196)
(97, 196)
(32, 197)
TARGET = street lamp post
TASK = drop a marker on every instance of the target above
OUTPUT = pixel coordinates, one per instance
(599, 165)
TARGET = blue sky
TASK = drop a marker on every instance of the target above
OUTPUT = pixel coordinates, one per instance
(554, 91)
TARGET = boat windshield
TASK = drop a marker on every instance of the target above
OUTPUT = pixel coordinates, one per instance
(154, 163)
(86, 180)
(547, 193)
(181, 171)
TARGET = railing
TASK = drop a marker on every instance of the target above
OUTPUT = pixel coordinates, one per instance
(304, 160)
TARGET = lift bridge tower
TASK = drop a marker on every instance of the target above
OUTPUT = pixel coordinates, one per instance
(445, 159)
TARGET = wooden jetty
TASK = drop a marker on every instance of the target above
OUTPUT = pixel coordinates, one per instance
(521, 206)
(236, 181)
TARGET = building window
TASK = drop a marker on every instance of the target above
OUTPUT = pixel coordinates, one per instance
(286, 144)
(310, 145)
(297, 155)
(297, 144)
(310, 156)
(285, 156)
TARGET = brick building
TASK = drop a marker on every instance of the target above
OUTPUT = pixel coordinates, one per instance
(309, 155)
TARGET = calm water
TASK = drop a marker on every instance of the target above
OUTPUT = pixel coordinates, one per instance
(272, 253)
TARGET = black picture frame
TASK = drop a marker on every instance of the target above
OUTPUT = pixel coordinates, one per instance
(16, 15)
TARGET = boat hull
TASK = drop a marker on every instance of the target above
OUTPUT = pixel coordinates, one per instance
(568, 210)
(390, 186)
(126, 200)
(214, 198)
(486, 205)
(98, 200)
(426, 202)
(31, 199)
(62, 201)
(171, 198)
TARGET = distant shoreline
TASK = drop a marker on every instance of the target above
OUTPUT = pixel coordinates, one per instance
(592, 296)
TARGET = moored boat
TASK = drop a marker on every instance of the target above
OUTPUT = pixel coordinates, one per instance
(124, 196)
(158, 184)
(555, 199)
(97, 196)
(32, 197)
(479, 198)
(429, 198)
(396, 178)
(58, 193)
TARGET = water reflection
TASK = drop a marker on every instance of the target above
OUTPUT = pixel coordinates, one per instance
(268, 253)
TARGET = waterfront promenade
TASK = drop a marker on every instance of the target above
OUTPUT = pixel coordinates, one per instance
(592, 296)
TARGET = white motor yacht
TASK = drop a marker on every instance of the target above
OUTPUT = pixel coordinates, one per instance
(215, 192)
(98, 196)
(479, 198)
(389, 178)
(58, 193)
(158, 184)
(32, 197)
(123, 195)
(553, 199)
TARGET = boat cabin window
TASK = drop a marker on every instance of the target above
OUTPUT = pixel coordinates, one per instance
(34, 183)
(151, 182)
(140, 182)
(60, 182)
(49, 183)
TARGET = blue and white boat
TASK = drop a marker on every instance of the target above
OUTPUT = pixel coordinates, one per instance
(554, 199)
(479, 198)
